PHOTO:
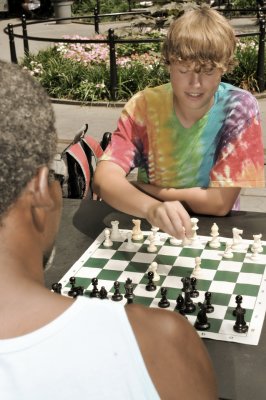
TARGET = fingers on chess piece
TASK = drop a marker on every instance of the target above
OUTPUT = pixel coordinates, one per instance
(202, 323)
(150, 287)
(164, 302)
(117, 296)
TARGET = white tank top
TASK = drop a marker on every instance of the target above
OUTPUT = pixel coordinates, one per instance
(88, 352)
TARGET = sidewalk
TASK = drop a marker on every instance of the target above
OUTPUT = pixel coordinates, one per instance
(69, 117)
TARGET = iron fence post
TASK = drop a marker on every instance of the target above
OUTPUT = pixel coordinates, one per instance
(25, 35)
(261, 56)
(98, 6)
(12, 46)
(129, 6)
(96, 20)
(113, 68)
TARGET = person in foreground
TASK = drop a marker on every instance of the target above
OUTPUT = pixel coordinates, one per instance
(196, 141)
(53, 346)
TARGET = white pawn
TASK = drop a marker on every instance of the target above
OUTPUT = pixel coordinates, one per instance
(228, 251)
(153, 267)
(107, 242)
(197, 270)
(130, 245)
(255, 251)
(151, 247)
(257, 243)
(115, 233)
(174, 241)
(215, 241)
(194, 227)
(155, 230)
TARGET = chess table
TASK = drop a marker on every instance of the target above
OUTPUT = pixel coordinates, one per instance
(240, 368)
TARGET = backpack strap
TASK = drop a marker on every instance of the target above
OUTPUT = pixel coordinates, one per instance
(77, 152)
(93, 145)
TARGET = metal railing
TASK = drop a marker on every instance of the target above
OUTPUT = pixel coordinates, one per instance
(112, 41)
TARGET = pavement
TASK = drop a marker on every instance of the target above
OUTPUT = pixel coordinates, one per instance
(101, 118)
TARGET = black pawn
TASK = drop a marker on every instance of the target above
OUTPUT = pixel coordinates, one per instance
(72, 282)
(129, 295)
(239, 300)
(202, 323)
(194, 292)
(163, 303)
(186, 283)
(240, 325)
(208, 305)
(57, 287)
(150, 287)
(117, 296)
(180, 304)
(95, 291)
(103, 293)
(189, 305)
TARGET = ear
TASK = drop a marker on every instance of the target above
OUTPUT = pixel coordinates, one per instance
(40, 189)
(40, 197)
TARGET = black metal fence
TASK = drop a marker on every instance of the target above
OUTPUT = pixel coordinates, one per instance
(112, 41)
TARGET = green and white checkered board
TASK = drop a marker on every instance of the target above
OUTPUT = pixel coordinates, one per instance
(224, 278)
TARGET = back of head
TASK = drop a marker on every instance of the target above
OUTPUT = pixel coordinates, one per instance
(27, 132)
(203, 36)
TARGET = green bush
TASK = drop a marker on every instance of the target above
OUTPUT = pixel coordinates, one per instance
(81, 71)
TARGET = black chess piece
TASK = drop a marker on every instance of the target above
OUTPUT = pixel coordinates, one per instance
(163, 303)
(103, 293)
(95, 291)
(208, 305)
(117, 296)
(57, 287)
(189, 305)
(202, 323)
(194, 292)
(239, 300)
(72, 281)
(186, 283)
(180, 304)
(129, 295)
(150, 287)
(240, 325)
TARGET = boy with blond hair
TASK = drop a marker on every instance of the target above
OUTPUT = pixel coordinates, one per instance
(196, 141)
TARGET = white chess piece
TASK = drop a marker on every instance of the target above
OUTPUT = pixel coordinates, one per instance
(257, 243)
(129, 245)
(136, 231)
(155, 230)
(197, 269)
(228, 251)
(255, 251)
(174, 241)
(115, 233)
(194, 226)
(153, 267)
(151, 247)
(215, 241)
(107, 242)
(237, 239)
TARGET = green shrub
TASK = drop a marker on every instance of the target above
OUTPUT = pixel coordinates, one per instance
(81, 71)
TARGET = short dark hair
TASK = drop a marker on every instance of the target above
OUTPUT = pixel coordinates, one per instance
(27, 132)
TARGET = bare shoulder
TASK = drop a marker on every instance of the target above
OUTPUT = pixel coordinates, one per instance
(175, 356)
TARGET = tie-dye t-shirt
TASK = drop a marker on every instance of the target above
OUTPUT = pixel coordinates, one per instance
(224, 148)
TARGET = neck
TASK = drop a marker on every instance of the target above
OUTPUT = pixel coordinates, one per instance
(189, 117)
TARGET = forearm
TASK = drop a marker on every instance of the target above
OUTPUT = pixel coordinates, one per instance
(212, 201)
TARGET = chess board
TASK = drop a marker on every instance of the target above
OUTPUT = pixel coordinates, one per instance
(224, 278)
